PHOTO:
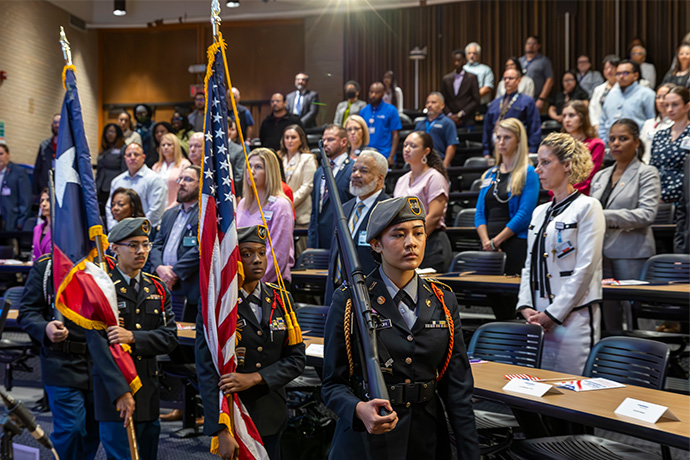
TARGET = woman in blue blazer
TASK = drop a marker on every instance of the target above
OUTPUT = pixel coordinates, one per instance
(508, 195)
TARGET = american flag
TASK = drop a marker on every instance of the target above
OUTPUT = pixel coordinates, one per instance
(220, 268)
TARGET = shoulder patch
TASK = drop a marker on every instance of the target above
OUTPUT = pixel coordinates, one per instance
(439, 284)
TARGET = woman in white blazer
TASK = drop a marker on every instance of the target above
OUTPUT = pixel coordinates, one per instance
(560, 287)
(629, 192)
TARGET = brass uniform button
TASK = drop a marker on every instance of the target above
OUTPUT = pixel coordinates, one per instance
(410, 338)
(408, 405)
(139, 358)
(551, 296)
(259, 333)
(137, 311)
(544, 234)
(155, 311)
(408, 360)
(138, 326)
(258, 365)
(260, 349)
(408, 381)
(546, 254)
(548, 275)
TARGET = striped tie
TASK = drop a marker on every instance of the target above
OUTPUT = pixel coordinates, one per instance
(338, 279)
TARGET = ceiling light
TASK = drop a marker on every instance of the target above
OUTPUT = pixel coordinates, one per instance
(232, 3)
(119, 7)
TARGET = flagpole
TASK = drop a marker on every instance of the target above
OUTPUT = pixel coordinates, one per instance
(100, 258)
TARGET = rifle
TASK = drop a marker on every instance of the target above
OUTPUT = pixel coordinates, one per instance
(354, 276)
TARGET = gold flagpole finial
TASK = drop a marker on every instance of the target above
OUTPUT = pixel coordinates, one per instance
(215, 17)
(66, 52)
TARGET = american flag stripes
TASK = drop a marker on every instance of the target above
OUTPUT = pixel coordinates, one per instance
(220, 271)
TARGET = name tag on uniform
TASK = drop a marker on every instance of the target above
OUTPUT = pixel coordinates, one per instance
(437, 325)
(564, 249)
(121, 305)
(241, 322)
(363, 238)
(384, 324)
(6, 191)
(685, 144)
(278, 324)
(189, 241)
(268, 215)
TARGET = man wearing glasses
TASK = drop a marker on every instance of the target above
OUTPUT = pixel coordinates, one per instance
(150, 187)
(175, 253)
(147, 326)
(627, 100)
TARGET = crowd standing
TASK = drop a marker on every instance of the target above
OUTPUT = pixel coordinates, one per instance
(148, 174)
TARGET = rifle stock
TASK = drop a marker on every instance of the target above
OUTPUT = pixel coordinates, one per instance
(352, 272)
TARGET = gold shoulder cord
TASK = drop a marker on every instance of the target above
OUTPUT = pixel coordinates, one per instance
(347, 329)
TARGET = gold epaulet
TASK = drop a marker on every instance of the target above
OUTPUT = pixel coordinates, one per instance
(275, 286)
(443, 286)
(152, 276)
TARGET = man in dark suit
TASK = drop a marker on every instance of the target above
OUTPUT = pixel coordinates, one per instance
(303, 102)
(175, 253)
(45, 159)
(322, 217)
(15, 192)
(461, 92)
(366, 184)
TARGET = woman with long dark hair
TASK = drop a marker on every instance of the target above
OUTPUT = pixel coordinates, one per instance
(428, 181)
(392, 92)
(110, 162)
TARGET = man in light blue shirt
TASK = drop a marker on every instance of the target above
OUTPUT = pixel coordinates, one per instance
(150, 187)
(484, 74)
(441, 129)
(627, 100)
(383, 122)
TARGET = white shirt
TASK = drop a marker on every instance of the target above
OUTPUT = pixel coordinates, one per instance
(368, 203)
(256, 309)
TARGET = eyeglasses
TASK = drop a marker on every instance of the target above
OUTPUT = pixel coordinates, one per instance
(625, 73)
(185, 179)
(135, 246)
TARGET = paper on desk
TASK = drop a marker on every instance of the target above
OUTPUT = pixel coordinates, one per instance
(613, 282)
(315, 350)
(589, 384)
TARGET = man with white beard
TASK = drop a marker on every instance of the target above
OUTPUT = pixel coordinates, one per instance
(366, 185)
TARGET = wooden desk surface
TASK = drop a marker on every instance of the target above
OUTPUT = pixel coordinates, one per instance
(594, 408)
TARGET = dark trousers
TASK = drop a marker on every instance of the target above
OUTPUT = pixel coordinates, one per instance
(75, 431)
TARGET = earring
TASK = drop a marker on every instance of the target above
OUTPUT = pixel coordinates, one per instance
(424, 160)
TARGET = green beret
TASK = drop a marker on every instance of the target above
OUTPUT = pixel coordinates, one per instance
(129, 227)
(393, 211)
(253, 234)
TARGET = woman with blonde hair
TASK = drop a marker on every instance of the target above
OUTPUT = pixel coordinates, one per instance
(508, 196)
(170, 164)
(299, 165)
(357, 135)
(560, 287)
(276, 207)
(576, 123)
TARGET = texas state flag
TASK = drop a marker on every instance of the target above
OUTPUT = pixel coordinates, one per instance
(85, 294)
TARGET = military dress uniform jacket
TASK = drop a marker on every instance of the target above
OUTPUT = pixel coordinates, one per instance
(265, 353)
(148, 314)
(63, 364)
(563, 278)
(406, 356)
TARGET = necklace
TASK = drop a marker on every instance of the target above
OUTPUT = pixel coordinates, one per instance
(495, 190)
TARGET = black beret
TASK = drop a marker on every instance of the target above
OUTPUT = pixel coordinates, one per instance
(129, 227)
(393, 211)
(253, 234)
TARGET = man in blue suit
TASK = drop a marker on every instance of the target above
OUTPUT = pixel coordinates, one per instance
(322, 219)
(512, 105)
(15, 193)
(366, 184)
(175, 253)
